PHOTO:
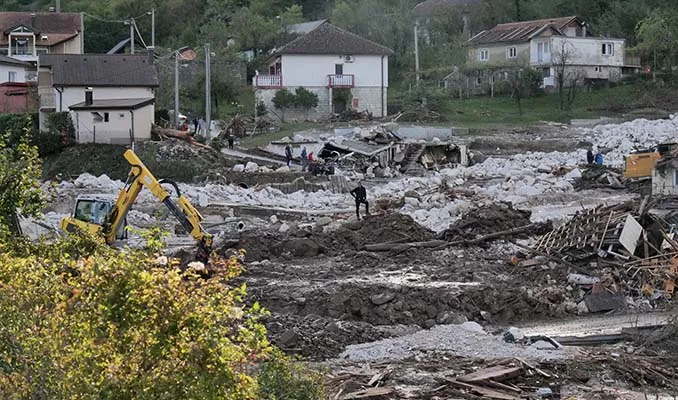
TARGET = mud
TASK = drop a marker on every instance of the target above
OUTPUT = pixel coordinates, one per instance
(489, 218)
(348, 239)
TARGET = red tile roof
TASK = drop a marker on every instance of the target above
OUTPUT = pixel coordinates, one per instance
(520, 31)
(58, 27)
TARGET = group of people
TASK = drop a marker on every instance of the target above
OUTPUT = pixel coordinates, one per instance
(306, 158)
(594, 159)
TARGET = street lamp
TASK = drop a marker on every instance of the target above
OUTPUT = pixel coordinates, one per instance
(152, 14)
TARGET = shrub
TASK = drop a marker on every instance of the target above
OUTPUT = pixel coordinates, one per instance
(282, 100)
(60, 123)
(305, 99)
(111, 325)
(261, 109)
(280, 378)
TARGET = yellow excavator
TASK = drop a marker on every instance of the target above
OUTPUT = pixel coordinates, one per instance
(107, 219)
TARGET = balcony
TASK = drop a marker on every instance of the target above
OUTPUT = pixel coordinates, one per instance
(340, 81)
(631, 61)
(267, 81)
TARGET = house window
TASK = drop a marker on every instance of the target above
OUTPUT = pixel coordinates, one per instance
(479, 81)
(675, 178)
(511, 52)
(491, 80)
(105, 117)
(20, 47)
(12, 76)
(608, 49)
(484, 55)
(96, 117)
(442, 85)
(339, 69)
(546, 72)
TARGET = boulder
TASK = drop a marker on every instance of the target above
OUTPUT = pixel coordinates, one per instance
(382, 298)
(513, 335)
(238, 168)
(251, 167)
(473, 327)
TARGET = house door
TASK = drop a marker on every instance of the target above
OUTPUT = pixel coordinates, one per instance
(339, 69)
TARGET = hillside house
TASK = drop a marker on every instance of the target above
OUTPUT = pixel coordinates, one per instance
(343, 69)
(26, 35)
(110, 96)
(16, 95)
(545, 45)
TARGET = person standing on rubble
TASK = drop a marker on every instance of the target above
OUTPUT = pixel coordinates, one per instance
(195, 125)
(304, 159)
(589, 156)
(231, 139)
(359, 194)
(288, 155)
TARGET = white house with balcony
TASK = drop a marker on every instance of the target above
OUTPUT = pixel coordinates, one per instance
(549, 45)
(343, 69)
(27, 35)
(110, 97)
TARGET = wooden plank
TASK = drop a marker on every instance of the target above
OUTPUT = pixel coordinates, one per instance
(497, 373)
(537, 370)
(485, 392)
(372, 392)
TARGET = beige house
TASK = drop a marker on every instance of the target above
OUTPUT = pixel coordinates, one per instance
(553, 46)
(26, 35)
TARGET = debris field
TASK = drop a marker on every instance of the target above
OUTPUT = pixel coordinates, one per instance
(432, 294)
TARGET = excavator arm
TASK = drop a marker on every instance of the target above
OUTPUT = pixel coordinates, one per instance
(139, 177)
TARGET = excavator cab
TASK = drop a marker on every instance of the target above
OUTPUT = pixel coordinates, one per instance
(92, 213)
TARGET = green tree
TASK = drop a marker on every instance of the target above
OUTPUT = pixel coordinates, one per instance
(305, 99)
(282, 100)
(657, 36)
(20, 171)
(112, 325)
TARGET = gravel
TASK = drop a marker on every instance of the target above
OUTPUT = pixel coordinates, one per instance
(449, 339)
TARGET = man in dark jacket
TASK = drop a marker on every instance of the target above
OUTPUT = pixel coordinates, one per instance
(360, 196)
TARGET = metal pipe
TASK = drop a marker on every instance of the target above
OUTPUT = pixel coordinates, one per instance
(131, 36)
(153, 27)
(208, 89)
(176, 89)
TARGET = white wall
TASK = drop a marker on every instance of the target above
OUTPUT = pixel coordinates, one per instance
(588, 51)
(117, 129)
(312, 70)
(75, 95)
(5, 69)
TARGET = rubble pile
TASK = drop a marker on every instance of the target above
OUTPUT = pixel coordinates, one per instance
(487, 219)
(449, 377)
(624, 256)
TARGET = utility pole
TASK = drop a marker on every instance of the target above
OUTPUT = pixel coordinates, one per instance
(153, 27)
(416, 51)
(131, 35)
(208, 89)
(176, 88)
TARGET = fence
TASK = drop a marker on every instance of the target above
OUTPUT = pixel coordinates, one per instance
(105, 136)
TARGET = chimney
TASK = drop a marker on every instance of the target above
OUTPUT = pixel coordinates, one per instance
(151, 54)
(88, 96)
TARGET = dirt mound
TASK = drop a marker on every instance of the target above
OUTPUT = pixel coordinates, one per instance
(352, 236)
(318, 338)
(349, 238)
(486, 219)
